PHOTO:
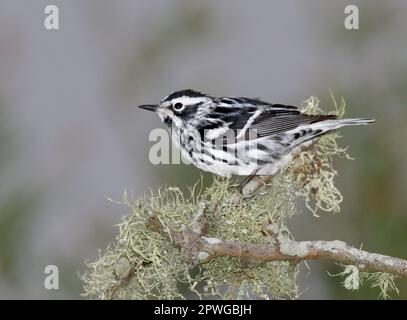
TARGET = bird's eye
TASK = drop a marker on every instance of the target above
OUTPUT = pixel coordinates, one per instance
(178, 106)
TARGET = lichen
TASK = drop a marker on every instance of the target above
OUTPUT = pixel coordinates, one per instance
(291, 248)
(354, 279)
(202, 256)
(313, 173)
(160, 268)
(212, 240)
(385, 282)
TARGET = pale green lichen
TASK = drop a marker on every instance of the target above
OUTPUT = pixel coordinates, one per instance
(354, 279)
(385, 282)
(313, 172)
(160, 270)
(202, 256)
(292, 248)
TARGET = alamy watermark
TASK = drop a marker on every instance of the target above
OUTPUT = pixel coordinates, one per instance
(51, 281)
(51, 21)
(231, 147)
(352, 17)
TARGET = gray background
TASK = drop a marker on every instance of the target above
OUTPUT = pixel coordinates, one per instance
(70, 132)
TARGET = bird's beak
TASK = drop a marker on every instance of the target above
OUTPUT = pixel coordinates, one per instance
(149, 107)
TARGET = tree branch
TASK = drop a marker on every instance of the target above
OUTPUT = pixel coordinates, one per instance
(201, 249)
(290, 250)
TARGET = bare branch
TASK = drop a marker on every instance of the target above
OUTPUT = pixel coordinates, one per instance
(290, 250)
(193, 243)
(203, 249)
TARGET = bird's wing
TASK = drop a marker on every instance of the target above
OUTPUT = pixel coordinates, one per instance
(253, 119)
(271, 122)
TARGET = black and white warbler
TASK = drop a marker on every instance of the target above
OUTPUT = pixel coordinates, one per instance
(241, 136)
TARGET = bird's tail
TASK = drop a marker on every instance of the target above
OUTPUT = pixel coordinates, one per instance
(349, 122)
(322, 127)
(329, 125)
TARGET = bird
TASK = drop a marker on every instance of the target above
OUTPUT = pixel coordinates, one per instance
(238, 135)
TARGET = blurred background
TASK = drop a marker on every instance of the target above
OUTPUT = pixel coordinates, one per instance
(71, 135)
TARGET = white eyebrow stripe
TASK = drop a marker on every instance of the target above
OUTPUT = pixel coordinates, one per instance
(189, 100)
(249, 123)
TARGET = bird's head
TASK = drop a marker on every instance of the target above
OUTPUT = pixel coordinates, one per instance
(180, 107)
